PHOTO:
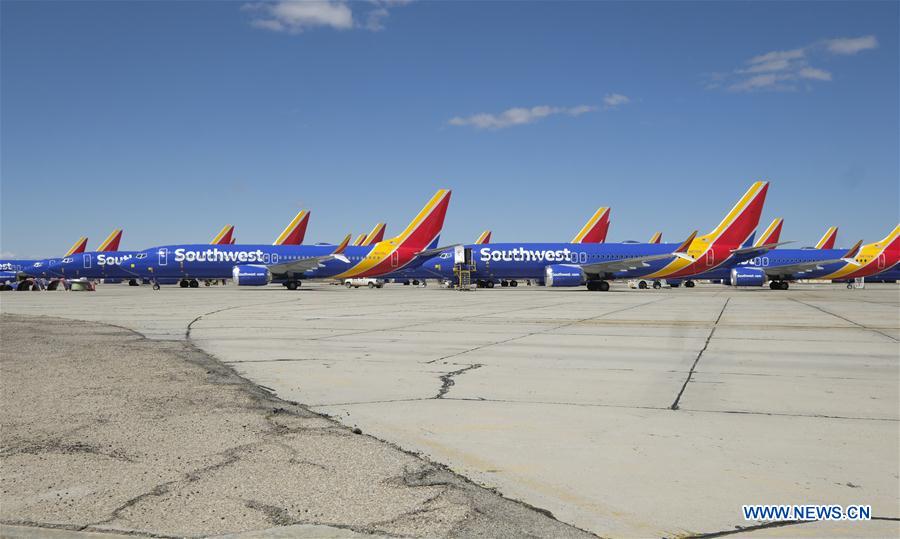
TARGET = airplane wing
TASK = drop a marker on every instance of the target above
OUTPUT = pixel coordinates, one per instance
(305, 264)
(624, 264)
(420, 257)
(758, 249)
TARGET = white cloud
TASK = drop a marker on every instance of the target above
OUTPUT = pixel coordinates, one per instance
(517, 116)
(295, 16)
(851, 45)
(614, 100)
(786, 70)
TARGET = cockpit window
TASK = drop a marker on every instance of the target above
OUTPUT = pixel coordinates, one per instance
(67, 260)
(141, 255)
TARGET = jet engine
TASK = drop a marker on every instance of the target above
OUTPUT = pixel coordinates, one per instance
(563, 275)
(747, 277)
(250, 275)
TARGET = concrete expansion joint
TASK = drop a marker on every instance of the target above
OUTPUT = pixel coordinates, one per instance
(699, 355)
(447, 379)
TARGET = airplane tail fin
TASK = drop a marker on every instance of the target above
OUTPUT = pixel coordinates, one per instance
(890, 245)
(294, 233)
(594, 231)
(79, 247)
(359, 240)
(343, 245)
(827, 241)
(485, 237)
(427, 225)
(772, 234)
(224, 237)
(656, 238)
(376, 235)
(111, 243)
(742, 220)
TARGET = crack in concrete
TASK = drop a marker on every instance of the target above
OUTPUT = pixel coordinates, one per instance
(187, 332)
(745, 529)
(699, 355)
(447, 379)
(873, 330)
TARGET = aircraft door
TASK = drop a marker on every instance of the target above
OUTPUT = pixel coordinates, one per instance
(87, 261)
(880, 261)
(395, 259)
(710, 257)
(163, 257)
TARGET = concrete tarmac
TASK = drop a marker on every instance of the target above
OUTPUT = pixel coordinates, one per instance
(629, 413)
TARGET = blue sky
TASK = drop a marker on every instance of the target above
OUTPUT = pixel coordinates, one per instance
(171, 119)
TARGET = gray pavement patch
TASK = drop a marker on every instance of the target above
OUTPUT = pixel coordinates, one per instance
(106, 431)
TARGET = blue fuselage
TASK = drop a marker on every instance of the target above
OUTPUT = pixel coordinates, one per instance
(92, 265)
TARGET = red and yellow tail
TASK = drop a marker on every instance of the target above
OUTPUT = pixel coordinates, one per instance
(772, 234)
(827, 241)
(711, 250)
(485, 237)
(656, 237)
(343, 245)
(78, 248)
(594, 231)
(376, 235)
(392, 254)
(224, 237)
(111, 243)
(359, 240)
(294, 233)
(872, 258)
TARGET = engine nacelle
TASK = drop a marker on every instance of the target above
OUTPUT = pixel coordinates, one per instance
(250, 275)
(747, 277)
(563, 275)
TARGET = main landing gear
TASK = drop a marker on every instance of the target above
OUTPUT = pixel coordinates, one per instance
(185, 283)
(509, 283)
(689, 284)
(778, 285)
(292, 285)
(600, 286)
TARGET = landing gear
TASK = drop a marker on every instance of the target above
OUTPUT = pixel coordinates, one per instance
(132, 282)
(598, 286)
(689, 284)
(184, 283)
(778, 285)
(784, 285)
(489, 284)
(415, 282)
(155, 285)
(293, 285)
(642, 285)
(514, 283)
(193, 283)
(657, 285)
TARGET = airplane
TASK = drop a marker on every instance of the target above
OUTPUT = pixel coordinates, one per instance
(12, 266)
(570, 264)
(257, 265)
(593, 231)
(780, 266)
(827, 241)
(100, 264)
(38, 268)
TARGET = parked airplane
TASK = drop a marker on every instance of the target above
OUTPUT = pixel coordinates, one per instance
(827, 241)
(485, 237)
(106, 262)
(656, 237)
(295, 231)
(569, 264)
(256, 265)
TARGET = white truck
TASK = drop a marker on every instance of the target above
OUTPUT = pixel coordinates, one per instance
(364, 281)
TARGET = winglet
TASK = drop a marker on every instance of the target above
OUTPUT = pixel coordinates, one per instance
(683, 248)
(376, 235)
(656, 238)
(853, 250)
(294, 233)
(594, 231)
(79, 246)
(359, 240)
(224, 237)
(772, 233)
(485, 237)
(343, 245)
(827, 241)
